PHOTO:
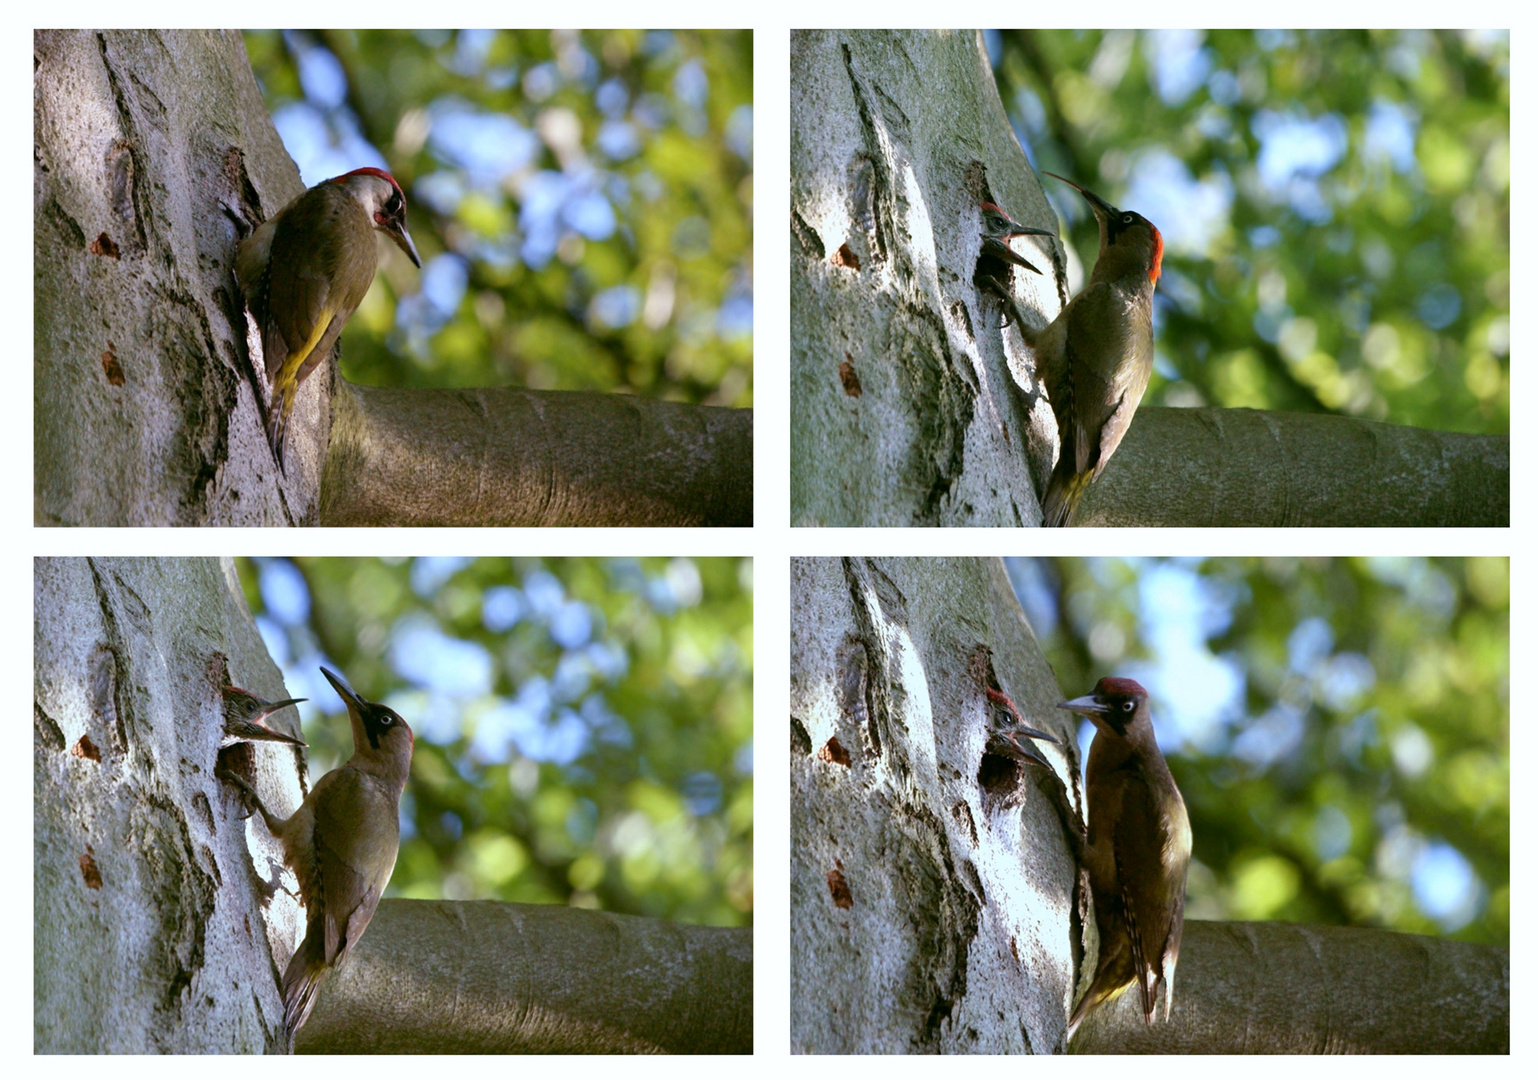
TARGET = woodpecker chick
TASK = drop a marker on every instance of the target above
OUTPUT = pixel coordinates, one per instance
(1137, 853)
(993, 272)
(306, 270)
(341, 844)
(245, 717)
(1096, 356)
(1013, 740)
(999, 228)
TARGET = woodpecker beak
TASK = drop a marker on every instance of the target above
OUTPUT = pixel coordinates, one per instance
(1102, 208)
(1017, 229)
(351, 700)
(1015, 742)
(1089, 704)
(273, 706)
(397, 232)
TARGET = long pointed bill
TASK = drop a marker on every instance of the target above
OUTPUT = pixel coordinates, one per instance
(259, 731)
(402, 240)
(1013, 742)
(1089, 704)
(273, 706)
(1099, 204)
(350, 699)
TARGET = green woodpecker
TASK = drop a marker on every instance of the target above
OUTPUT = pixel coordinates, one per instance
(1013, 739)
(245, 717)
(1096, 356)
(1137, 852)
(306, 270)
(996, 257)
(341, 844)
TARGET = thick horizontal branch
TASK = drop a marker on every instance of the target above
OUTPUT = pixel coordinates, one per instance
(1254, 468)
(1280, 988)
(529, 457)
(477, 977)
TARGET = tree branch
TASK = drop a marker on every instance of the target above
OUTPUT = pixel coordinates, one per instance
(527, 457)
(1253, 468)
(1279, 988)
(443, 977)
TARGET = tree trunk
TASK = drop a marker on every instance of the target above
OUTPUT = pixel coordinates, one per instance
(911, 406)
(162, 918)
(932, 892)
(148, 935)
(934, 903)
(148, 146)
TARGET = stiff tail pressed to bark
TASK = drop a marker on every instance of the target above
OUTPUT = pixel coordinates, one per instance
(302, 979)
(1064, 491)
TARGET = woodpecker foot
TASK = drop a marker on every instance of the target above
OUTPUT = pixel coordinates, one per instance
(247, 795)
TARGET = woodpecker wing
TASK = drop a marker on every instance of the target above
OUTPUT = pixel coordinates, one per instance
(1151, 849)
(357, 836)
(1109, 358)
(323, 260)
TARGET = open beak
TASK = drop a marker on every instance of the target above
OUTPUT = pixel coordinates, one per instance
(1016, 742)
(273, 706)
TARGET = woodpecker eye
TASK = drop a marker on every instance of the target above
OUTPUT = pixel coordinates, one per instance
(1126, 219)
(1127, 706)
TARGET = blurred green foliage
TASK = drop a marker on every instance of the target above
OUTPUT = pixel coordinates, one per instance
(625, 156)
(1340, 728)
(1335, 205)
(584, 727)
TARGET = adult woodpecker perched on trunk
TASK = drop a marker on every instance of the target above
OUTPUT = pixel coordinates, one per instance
(305, 271)
(341, 844)
(245, 713)
(1138, 849)
(1096, 356)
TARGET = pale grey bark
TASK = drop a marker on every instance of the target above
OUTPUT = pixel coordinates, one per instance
(147, 932)
(144, 403)
(932, 892)
(147, 405)
(441, 977)
(933, 906)
(903, 407)
(163, 918)
(910, 406)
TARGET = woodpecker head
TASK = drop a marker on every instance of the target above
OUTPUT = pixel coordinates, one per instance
(1128, 241)
(1115, 706)
(998, 225)
(380, 738)
(384, 202)
(244, 706)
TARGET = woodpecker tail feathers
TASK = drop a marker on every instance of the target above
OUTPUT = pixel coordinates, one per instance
(303, 978)
(1063, 494)
(277, 420)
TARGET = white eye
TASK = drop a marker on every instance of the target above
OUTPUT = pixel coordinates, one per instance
(1126, 219)
(1127, 706)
